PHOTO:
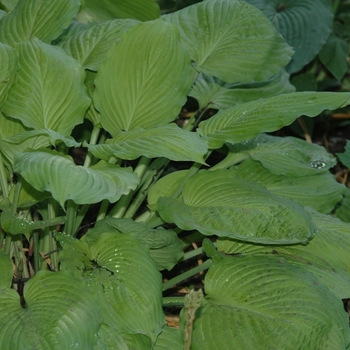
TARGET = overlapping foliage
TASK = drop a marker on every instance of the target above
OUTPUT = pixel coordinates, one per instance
(79, 78)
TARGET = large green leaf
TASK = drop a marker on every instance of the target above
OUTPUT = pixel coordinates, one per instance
(89, 47)
(53, 137)
(326, 255)
(283, 155)
(104, 10)
(231, 40)
(167, 141)
(16, 224)
(11, 127)
(127, 284)
(44, 19)
(321, 191)
(8, 69)
(138, 92)
(219, 203)
(304, 24)
(211, 92)
(48, 171)
(243, 122)
(49, 92)
(267, 303)
(56, 307)
(166, 249)
(118, 270)
(170, 338)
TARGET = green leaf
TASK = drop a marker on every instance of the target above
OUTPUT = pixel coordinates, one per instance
(333, 56)
(324, 256)
(165, 186)
(211, 92)
(243, 122)
(89, 47)
(20, 225)
(53, 137)
(345, 156)
(9, 4)
(6, 270)
(231, 40)
(304, 24)
(287, 156)
(104, 10)
(267, 303)
(166, 249)
(49, 92)
(219, 203)
(8, 69)
(134, 93)
(48, 171)
(167, 141)
(10, 127)
(56, 305)
(321, 191)
(343, 210)
(170, 338)
(37, 18)
(127, 284)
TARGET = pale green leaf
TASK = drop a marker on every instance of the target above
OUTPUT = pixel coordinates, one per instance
(166, 249)
(267, 303)
(89, 47)
(245, 121)
(56, 305)
(6, 271)
(139, 92)
(16, 224)
(8, 69)
(167, 141)
(37, 18)
(283, 155)
(326, 255)
(304, 24)
(109, 338)
(53, 137)
(345, 156)
(104, 10)
(48, 171)
(49, 92)
(219, 203)
(321, 191)
(127, 284)
(231, 40)
(10, 127)
(165, 186)
(170, 338)
(211, 92)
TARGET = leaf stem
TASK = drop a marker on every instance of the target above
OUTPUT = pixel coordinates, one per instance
(192, 253)
(93, 140)
(3, 179)
(172, 282)
(173, 301)
(71, 215)
(120, 208)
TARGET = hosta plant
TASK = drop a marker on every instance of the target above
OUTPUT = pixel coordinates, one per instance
(257, 205)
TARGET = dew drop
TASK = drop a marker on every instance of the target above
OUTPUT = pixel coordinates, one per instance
(317, 164)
